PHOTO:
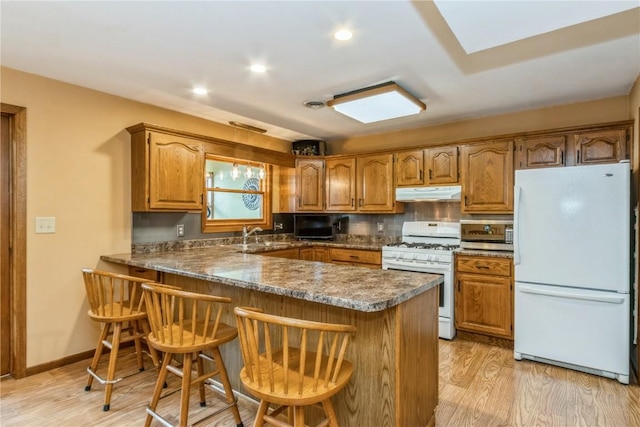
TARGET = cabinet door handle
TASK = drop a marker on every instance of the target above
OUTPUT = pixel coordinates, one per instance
(352, 201)
(354, 257)
(562, 157)
(430, 174)
(482, 267)
(360, 202)
(458, 285)
(421, 173)
(578, 157)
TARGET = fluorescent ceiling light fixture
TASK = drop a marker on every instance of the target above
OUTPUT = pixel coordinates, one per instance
(200, 91)
(376, 103)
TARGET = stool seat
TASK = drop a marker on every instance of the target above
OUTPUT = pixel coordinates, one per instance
(314, 390)
(292, 363)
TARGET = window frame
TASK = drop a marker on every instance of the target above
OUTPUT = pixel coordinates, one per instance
(222, 225)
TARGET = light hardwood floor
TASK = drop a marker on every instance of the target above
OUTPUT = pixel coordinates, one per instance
(480, 385)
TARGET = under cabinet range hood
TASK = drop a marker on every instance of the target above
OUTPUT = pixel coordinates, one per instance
(428, 194)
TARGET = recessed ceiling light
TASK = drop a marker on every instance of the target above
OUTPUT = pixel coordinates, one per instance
(258, 68)
(200, 91)
(314, 105)
(343, 35)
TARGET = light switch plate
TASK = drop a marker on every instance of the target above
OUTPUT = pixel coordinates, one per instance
(45, 224)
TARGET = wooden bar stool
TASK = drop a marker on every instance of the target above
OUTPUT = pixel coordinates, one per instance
(116, 301)
(187, 324)
(307, 367)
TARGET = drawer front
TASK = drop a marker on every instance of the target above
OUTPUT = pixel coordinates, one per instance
(144, 273)
(484, 265)
(291, 253)
(356, 256)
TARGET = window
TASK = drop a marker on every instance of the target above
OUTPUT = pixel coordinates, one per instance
(237, 193)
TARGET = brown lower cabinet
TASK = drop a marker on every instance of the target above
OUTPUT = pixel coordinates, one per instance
(484, 295)
(356, 257)
(315, 254)
(291, 253)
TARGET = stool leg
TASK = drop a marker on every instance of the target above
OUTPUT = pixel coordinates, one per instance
(186, 388)
(97, 354)
(162, 377)
(331, 414)
(262, 411)
(228, 391)
(200, 365)
(113, 358)
(152, 351)
(298, 416)
(135, 330)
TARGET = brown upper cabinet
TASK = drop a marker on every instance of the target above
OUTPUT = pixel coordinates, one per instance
(346, 184)
(607, 144)
(541, 151)
(167, 171)
(310, 185)
(375, 189)
(410, 168)
(432, 166)
(442, 165)
(340, 184)
(601, 146)
(487, 177)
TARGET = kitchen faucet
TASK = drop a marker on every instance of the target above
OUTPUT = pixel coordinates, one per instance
(248, 231)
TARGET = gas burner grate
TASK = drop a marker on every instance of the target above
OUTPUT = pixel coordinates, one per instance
(433, 246)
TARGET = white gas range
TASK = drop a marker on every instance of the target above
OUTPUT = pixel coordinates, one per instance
(427, 247)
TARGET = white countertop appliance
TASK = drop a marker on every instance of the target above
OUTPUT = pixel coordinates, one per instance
(427, 247)
(572, 234)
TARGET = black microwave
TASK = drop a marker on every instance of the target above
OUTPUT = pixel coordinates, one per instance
(313, 227)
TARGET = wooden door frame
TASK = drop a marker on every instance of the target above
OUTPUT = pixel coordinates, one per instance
(18, 237)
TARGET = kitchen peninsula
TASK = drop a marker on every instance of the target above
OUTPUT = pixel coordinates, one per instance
(395, 348)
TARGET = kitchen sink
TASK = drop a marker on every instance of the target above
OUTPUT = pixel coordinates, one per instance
(261, 245)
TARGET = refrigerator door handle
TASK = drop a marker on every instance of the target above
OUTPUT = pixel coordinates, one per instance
(516, 225)
(572, 295)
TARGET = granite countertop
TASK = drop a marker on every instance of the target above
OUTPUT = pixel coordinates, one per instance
(351, 287)
(479, 252)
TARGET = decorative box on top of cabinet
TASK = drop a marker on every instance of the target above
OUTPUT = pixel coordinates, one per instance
(167, 171)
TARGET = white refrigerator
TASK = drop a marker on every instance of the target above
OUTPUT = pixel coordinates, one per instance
(572, 236)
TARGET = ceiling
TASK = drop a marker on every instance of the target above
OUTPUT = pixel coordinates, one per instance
(464, 59)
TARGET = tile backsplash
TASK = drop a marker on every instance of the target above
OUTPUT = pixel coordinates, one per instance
(161, 227)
